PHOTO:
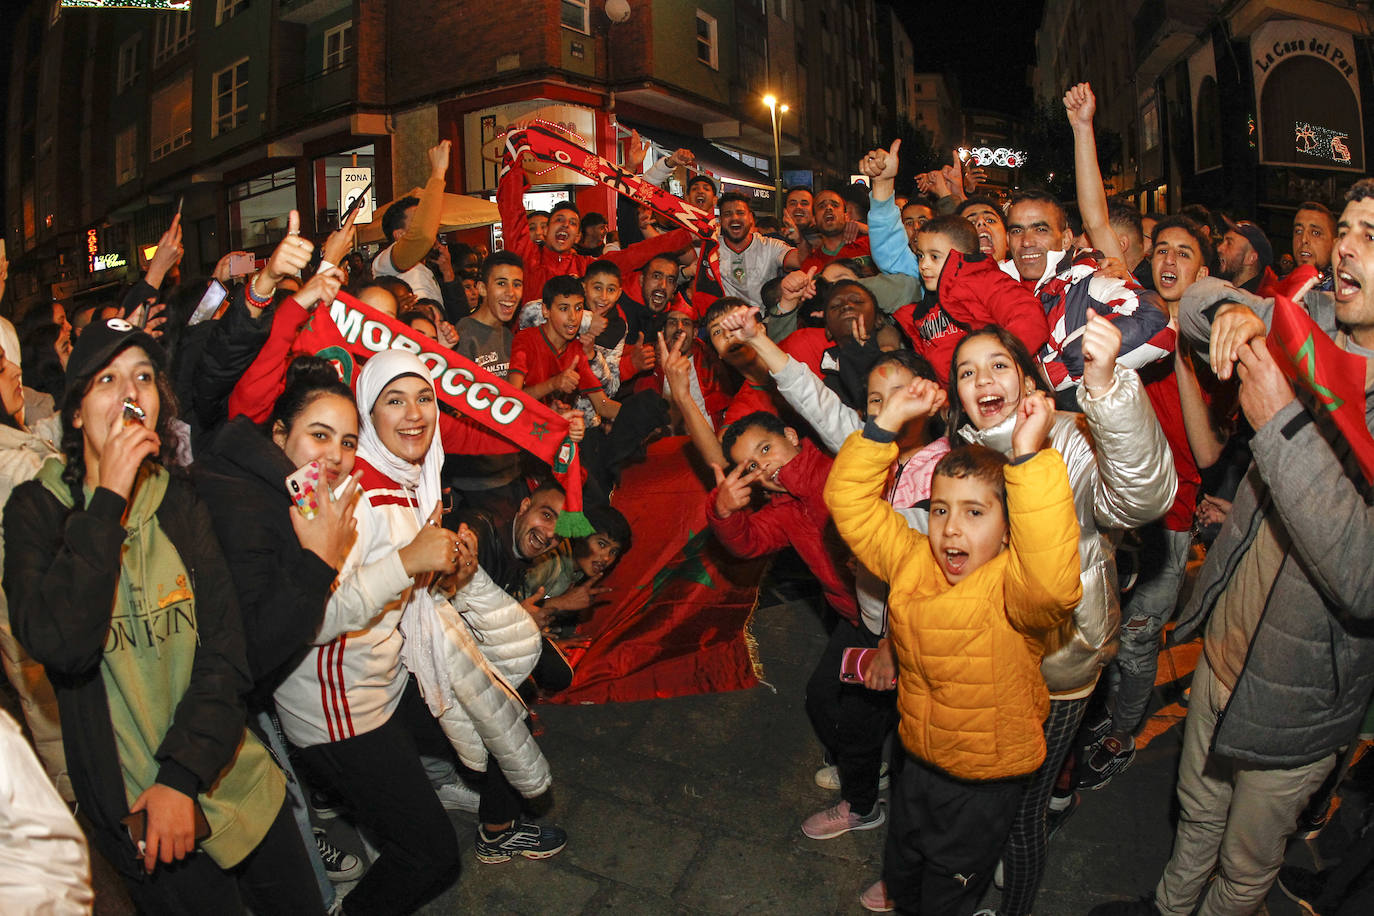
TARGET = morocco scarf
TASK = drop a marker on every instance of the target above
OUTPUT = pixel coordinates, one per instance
(547, 142)
(352, 331)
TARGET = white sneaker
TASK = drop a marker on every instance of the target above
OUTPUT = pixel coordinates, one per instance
(456, 796)
(997, 878)
(828, 777)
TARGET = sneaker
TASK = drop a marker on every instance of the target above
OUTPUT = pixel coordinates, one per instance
(338, 865)
(1107, 759)
(997, 875)
(1059, 816)
(828, 777)
(523, 838)
(985, 911)
(1145, 906)
(875, 899)
(456, 796)
(1302, 887)
(832, 822)
(325, 804)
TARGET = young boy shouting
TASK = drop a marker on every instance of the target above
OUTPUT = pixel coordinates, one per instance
(971, 607)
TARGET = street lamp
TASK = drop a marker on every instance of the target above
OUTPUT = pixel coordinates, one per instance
(776, 112)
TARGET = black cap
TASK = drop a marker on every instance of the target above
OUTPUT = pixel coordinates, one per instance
(101, 342)
(1256, 237)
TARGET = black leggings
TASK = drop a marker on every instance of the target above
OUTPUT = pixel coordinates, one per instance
(276, 877)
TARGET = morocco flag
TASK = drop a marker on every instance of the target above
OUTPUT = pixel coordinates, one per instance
(1310, 358)
(677, 619)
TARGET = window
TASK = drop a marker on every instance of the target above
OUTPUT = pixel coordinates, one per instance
(126, 155)
(1149, 118)
(128, 63)
(338, 46)
(169, 119)
(706, 40)
(174, 33)
(227, 97)
(258, 208)
(573, 14)
(228, 9)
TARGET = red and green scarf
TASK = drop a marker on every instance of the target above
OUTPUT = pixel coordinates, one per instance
(352, 331)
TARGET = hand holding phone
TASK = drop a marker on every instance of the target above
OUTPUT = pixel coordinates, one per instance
(302, 485)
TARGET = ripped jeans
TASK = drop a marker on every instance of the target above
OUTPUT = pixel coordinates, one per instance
(1163, 562)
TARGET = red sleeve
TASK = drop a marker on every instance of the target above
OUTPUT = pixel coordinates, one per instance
(979, 293)
(264, 380)
(515, 227)
(637, 255)
(747, 533)
(462, 436)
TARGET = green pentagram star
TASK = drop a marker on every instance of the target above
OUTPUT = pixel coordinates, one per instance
(691, 568)
(538, 430)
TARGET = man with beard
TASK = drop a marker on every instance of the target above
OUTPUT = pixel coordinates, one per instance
(832, 223)
(1068, 285)
(1242, 255)
(1314, 235)
(644, 299)
(556, 257)
(747, 259)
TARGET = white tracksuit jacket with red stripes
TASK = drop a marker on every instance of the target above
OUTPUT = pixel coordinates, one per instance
(351, 681)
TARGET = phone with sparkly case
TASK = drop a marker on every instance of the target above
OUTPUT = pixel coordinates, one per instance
(302, 486)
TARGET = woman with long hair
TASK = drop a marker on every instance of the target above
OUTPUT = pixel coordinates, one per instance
(119, 589)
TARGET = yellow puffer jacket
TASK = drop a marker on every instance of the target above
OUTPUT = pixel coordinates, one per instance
(970, 693)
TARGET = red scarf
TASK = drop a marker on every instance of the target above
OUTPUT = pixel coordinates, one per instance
(351, 331)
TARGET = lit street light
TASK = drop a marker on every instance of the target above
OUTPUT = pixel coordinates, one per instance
(776, 113)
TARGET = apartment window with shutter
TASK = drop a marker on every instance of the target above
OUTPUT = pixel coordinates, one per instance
(169, 118)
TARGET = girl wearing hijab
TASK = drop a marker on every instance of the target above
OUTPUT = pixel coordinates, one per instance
(361, 706)
(119, 589)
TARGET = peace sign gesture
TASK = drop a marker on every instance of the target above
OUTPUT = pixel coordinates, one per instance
(734, 491)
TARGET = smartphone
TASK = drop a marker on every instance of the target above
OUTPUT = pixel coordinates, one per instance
(136, 823)
(133, 413)
(301, 486)
(854, 664)
(209, 303)
(241, 264)
(181, 199)
(357, 202)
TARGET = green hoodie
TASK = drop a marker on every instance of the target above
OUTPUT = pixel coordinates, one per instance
(149, 653)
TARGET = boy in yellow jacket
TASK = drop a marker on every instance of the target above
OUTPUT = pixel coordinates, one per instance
(972, 608)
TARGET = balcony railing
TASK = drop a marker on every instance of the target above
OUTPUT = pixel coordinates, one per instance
(317, 94)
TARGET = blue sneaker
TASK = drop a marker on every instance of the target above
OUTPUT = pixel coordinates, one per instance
(523, 838)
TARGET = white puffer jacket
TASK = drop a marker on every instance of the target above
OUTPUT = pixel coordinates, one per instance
(1122, 474)
(491, 646)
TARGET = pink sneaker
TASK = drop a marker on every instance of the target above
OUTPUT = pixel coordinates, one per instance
(875, 899)
(830, 823)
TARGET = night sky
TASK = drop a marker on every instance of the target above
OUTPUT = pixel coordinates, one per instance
(988, 44)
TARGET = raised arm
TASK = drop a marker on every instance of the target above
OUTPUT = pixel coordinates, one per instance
(879, 537)
(417, 240)
(1080, 103)
(676, 369)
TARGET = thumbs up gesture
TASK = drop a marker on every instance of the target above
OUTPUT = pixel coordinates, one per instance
(292, 254)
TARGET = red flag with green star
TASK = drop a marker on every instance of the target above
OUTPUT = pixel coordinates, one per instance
(1310, 358)
(676, 620)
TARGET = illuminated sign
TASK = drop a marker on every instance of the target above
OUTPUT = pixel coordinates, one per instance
(183, 6)
(1321, 142)
(1002, 156)
(95, 259)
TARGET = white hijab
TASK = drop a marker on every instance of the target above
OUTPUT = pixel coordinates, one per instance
(422, 653)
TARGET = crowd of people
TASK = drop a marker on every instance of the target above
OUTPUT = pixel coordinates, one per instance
(245, 591)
